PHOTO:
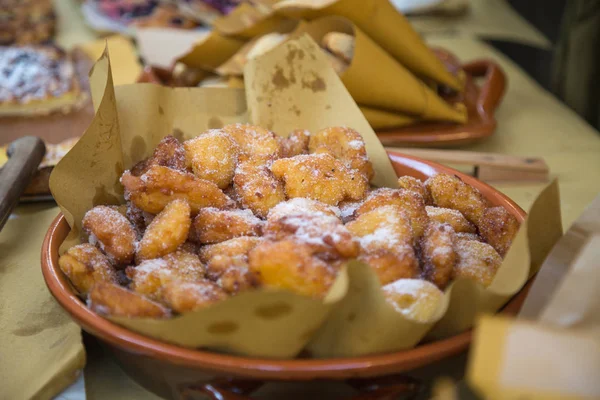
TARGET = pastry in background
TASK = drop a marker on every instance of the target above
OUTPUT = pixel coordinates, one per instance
(38, 81)
(125, 11)
(166, 16)
(26, 21)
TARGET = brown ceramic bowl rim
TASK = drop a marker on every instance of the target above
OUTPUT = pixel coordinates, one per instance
(295, 369)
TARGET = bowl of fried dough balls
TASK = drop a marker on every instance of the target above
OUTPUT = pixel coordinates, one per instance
(240, 208)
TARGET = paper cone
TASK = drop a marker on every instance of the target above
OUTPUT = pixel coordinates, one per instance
(376, 80)
(247, 21)
(211, 51)
(381, 119)
(382, 23)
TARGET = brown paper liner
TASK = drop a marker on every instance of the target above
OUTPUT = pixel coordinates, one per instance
(375, 79)
(381, 119)
(211, 51)
(291, 86)
(247, 21)
(383, 24)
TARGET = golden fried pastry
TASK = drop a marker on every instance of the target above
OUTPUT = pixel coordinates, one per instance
(290, 265)
(229, 248)
(498, 228)
(213, 156)
(112, 233)
(114, 300)
(301, 205)
(295, 144)
(191, 296)
(254, 141)
(437, 253)
(257, 188)
(454, 218)
(385, 237)
(235, 279)
(160, 185)
(325, 234)
(167, 232)
(477, 261)
(392, 265)
(168, 153)
(414, 185)
(415, 298)
(150, 277)
(410, 202)
(214, 226)
(85, 266)
(449, 191)
(320, 177)
(346, 145)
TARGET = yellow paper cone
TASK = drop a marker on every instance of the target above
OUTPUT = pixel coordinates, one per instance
(375, 79)
(382, 23)
(381, 119)
(247, 21)
(211, 51)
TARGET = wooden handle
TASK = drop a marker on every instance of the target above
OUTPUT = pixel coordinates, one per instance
(386, 388)
(489, 167)
(25, 154)
(493, 87)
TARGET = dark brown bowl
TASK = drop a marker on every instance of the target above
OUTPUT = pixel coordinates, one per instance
(170, 370)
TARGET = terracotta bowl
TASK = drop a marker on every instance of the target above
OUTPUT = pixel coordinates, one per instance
(169, 370)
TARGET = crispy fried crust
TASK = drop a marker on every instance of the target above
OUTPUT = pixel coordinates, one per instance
(257, 188)
(213, 156)
(449, 191)
(498, 227)
(112, 232)
(85, 266)
(295, 144)
(167, 232)
(415, 185)
(114, 300)
(190, 296)
(477, 261)
(160, 185)
(454, 218)
(214, 226)
(254, 141)
(320, 177)
(437, 253)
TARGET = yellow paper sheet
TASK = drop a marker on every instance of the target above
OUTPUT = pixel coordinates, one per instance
(384, 25)
(127, 68)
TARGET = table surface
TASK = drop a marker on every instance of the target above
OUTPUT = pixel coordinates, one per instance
(531, 122)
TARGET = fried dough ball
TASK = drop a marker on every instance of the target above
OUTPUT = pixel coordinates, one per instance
(229, 248)
(325, 234)
(437, 253)
(112, 233)
(346, 145)
(213, 225)
(227, 263)
(160, 185)
(320, 177)
(213, 156)
(168, 153)
(150, 277)
(410, 202)
(85, 266)
(254, 141)
(300, 205)
(413, 184)
(415, 298)
(257, 188)
(191, 296)
(385, 237)
(291, 265)
(476, 261)
(295, 144)
(498, 227)
(139, 218)
(449, 191)
(454, 218)
(114, 300)
(167, 232)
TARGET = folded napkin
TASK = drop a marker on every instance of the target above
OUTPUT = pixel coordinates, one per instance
(40, 346)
